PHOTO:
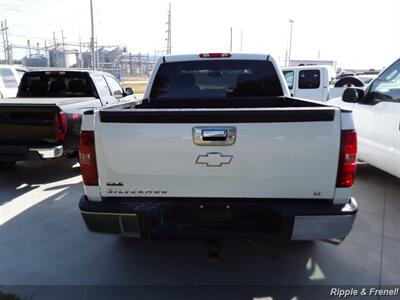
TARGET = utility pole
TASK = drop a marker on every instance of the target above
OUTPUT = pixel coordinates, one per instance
(29, 49)
(4, 42)
(169, 42)
(46, 54)
(230, 48)
(140, 63)
(130, 63)
(64, 56)
(241, 40)
(55, 50)
(8, 47)
(97, 54)
(92, 39)
(290, 40)
(80, 53)
(63, 41)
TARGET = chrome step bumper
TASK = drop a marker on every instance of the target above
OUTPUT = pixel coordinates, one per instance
(46, 153)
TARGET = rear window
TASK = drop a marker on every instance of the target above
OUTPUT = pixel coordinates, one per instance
(309, 79)
(216, 79)
(8, 78)
(55, 84)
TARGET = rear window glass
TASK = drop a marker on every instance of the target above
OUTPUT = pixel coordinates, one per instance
(309, 79)
(55, 84)
(8, 78)
(216, 79)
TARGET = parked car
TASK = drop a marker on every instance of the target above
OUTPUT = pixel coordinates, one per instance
(10, 77)
(376, 111)
(44, 120)
(217, 150)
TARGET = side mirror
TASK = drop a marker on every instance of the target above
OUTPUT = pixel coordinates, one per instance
(353, 95)
(129, 91)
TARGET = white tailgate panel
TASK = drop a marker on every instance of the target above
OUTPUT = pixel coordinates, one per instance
(270, 160)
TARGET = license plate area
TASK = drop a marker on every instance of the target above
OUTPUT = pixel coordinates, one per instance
(214, 214)
(13, 150)
(226, 215)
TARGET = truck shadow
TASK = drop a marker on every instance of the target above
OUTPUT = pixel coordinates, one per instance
(27, 176)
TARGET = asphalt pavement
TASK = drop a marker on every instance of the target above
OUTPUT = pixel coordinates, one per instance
(45, 249)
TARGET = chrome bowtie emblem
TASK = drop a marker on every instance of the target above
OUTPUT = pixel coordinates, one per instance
(214, 159)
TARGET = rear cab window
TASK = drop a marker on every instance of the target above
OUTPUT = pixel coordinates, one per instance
(216, 79)
(56, 84)
(309, 79)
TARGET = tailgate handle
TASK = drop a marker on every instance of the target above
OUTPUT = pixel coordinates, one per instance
(214, 136)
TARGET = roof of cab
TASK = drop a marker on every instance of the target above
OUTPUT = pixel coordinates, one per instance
(236, 56)
(307, 67)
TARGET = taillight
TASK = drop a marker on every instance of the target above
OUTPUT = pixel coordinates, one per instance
(87, 159)
(347, 159)
(215, 55)
(60, 126)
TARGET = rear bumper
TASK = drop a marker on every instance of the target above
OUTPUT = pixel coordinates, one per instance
(198, 219)
(52, 152)
(25, 153)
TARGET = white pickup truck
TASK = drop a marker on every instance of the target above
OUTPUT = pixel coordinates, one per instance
(10, 77)
(316, 82)
(219, 150)
(376, 111)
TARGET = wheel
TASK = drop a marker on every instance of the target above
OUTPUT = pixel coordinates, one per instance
(7, 164)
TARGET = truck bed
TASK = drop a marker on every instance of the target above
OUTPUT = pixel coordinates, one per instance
(31, 121)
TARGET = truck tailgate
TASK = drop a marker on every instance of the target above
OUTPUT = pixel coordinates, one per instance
(275, 152)
(28, 124)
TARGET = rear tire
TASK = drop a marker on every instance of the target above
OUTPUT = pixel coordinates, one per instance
(7, 164)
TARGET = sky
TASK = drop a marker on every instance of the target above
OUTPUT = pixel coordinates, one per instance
(355, 33)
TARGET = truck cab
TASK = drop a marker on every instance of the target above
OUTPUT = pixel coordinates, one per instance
(309, 82)
(10, 78)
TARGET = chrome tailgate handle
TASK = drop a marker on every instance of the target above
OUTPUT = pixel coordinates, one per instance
(214, 136)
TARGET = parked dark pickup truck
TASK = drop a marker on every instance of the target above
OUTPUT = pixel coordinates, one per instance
(44, 120)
